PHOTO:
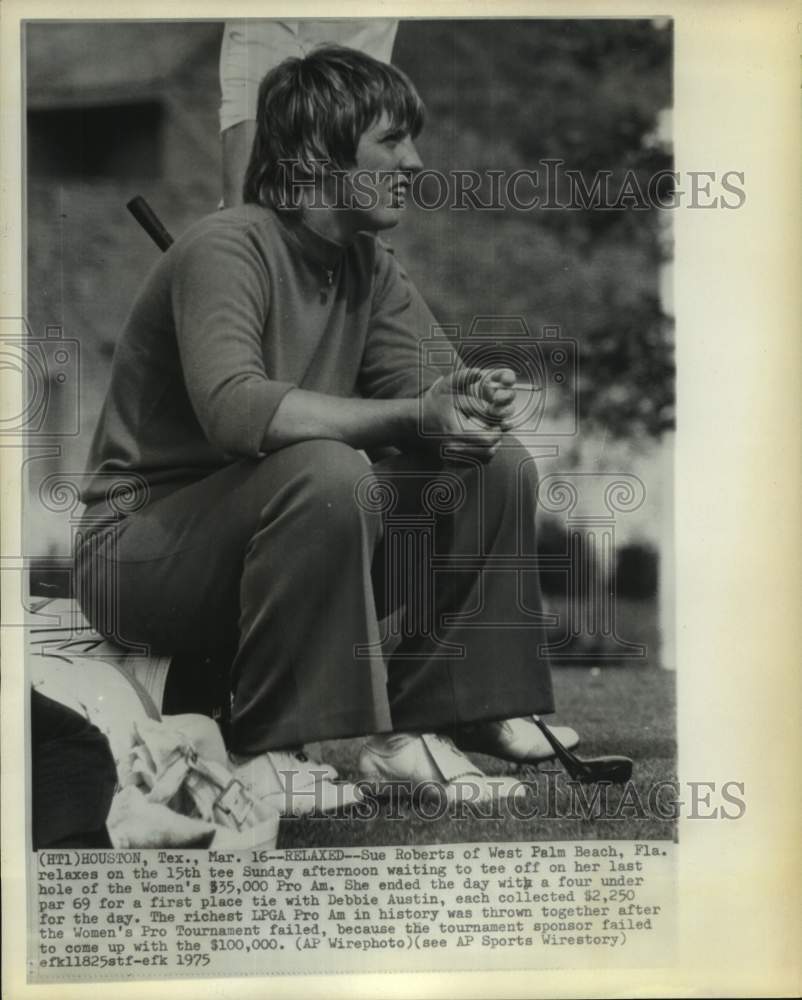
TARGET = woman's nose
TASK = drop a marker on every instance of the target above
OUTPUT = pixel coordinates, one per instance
(409, 159)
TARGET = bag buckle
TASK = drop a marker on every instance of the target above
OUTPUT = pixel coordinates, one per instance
(234, 801)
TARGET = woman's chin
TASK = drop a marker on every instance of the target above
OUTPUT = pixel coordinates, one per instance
(381, 218)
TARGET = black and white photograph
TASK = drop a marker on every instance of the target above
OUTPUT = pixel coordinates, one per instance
(348, 465)
(390, 481)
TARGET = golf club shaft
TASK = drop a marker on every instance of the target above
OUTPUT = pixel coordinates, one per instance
(610, 768)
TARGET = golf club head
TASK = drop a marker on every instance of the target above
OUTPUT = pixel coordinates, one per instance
(615, 769)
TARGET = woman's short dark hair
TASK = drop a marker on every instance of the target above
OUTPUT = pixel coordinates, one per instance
(313, 111)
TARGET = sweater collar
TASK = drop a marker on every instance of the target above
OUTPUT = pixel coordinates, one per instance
(311, 243)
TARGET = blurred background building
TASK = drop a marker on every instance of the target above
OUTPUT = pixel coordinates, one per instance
(116, 109)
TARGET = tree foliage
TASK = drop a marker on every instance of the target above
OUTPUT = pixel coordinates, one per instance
(508, 95)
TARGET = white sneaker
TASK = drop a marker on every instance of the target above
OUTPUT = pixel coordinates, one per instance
(293, 783)
(429, 766)
(518, 740)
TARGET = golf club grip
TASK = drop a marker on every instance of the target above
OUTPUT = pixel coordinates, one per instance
(149, 221)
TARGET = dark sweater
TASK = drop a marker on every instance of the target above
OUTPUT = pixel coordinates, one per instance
(246, 305)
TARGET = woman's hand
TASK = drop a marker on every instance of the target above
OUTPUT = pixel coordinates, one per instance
(492, 397)
(469, 410)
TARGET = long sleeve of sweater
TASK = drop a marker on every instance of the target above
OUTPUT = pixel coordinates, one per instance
(221, 298)
(243, 308)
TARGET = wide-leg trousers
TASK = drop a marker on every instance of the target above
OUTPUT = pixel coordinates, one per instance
(288, 565)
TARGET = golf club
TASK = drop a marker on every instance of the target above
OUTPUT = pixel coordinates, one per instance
(149, 221)
(616, 769)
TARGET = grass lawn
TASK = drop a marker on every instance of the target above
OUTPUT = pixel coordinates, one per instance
(627, 710)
